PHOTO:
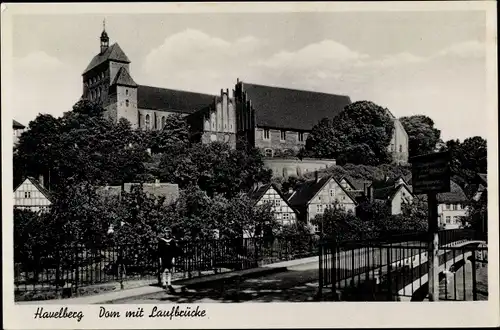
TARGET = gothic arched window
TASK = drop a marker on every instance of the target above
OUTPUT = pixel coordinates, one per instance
(98, 92)
(148, 121)
(126, 103)
(163, 122)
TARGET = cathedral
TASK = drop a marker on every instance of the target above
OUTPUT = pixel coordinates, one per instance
(274, 119)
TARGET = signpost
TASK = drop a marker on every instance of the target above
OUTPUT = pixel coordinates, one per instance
(431, 175)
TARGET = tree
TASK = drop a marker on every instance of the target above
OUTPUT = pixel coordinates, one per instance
(82, 146)
(172, 138)
(32, 239)
(335, 222)
(360, 135)
(215, 168)
(468, 158)
(423, 137)
(477, 214)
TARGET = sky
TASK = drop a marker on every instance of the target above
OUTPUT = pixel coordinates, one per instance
(430, 63)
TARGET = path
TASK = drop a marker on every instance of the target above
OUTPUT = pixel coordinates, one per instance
(293, 285)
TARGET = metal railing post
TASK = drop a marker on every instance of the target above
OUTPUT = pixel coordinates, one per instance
(474, 280)
(320, 257)
(389, 269)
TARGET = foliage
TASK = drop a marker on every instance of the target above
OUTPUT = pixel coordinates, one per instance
(336, 222)
(364, 172)
(80, 146)
(32, 234)
(172, 138)
(423, 137)
(477, 214)
(360, 135)
(215, 168)
(468, 158)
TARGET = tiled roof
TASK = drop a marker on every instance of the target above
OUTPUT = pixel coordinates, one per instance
(385, 193)
(113, 53)
(310, 188)
(484, 178)
(168, 190)
(388, 182)
(109, 191)
(456, 194)
(278, 107)
(472, 189)
(256, 194)
(358, 184)
(307, 191)
(17, 125)
(163, 99)
(123, 78)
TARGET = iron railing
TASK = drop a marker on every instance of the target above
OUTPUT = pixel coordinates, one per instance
(395, 267)
(69, 269)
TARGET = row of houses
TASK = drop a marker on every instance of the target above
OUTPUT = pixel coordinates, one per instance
(303, 203)
(313, 197)
(32, 195)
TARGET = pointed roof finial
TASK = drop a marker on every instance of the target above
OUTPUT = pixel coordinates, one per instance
(104, 24)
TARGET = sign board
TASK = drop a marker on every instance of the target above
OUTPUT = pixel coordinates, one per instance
(431, 173)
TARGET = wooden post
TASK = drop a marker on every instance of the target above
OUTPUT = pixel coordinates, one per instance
(433, 248)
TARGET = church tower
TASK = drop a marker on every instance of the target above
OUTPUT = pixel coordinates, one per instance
(107, 81)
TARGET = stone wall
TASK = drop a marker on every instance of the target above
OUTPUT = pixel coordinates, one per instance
(286, 167)
(274, 144)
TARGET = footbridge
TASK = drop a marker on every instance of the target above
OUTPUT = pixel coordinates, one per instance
(397, 269)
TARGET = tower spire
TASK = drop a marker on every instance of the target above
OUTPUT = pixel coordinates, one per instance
(104, 37)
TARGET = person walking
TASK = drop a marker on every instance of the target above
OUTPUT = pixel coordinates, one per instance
(168, 250)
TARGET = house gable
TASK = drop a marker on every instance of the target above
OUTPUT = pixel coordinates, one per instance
(280, 205)
(332, 191)
(30, 194)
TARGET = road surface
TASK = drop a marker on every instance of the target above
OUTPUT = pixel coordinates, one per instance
(294, 285)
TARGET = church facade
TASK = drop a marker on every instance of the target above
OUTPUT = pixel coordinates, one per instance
(274, 119)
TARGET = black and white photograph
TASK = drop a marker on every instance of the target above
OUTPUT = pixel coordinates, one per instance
(167, 162)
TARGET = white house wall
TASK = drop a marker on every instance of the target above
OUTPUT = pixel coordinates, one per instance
(326, 197)
(282, 211)
(450, 213)
(397, 200)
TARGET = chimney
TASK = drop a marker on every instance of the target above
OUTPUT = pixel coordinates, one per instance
(371, 193)
(316, 176)
(157, 182)
(40, 179)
